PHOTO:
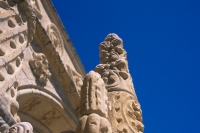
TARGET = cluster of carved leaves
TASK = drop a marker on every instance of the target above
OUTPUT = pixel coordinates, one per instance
(40, 67)
(113, 66)
(124, 109)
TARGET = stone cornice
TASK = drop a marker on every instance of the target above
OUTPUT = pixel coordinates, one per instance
(54, 17)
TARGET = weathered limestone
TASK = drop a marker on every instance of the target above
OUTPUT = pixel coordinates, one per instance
(22, 127)
(124, 110)
(40, 73)
(42, 89)
(40, 67)
(108, 102)
(93, 106)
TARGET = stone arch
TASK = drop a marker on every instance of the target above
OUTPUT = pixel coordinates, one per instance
(44, 110)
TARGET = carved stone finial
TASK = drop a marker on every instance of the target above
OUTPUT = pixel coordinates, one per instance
(40, 67)
(114, 67)
(93, 106)
(93, 95)
(124, 109)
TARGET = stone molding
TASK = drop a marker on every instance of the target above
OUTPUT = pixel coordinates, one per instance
(21, 20)
(105, 100)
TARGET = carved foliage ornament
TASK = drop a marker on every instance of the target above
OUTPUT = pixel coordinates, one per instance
(40, 67)
(125, 113)
(114, 67)
(124, 109)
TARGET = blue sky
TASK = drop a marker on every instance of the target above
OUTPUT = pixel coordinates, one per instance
(162, 39)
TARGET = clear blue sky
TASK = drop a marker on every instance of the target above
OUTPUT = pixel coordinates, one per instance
(162, 39)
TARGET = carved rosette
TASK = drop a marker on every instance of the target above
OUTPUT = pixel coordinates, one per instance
(55, 38)
(40, 67)
(93, 106)
(124, 109)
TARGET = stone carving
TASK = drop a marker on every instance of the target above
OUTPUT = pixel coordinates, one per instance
(40, 67)
(108, 101)
(30, 104)
(76, 77)
(55, 37)
(93, 123)
(8, 100)
(19, 21)
(125, 112)
(93, 106)
(27, 6)
(50, 116)
(114, 67)
(22, 127)
(124, 109)
(9, 120)
(93, 95)
(17, 30)
(6, 118)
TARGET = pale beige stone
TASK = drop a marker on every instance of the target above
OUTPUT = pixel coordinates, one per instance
(40, 67)
(124, 110)
(41, 78)
(93, 106)
(93, 95)
(33, 46)
(22, 127)
(93, 123)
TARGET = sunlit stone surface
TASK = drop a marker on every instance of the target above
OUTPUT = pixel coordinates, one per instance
(43, 86)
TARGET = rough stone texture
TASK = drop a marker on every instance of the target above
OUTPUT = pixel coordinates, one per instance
(40, 72)
(41, 78)
(40, 67)
(93, 106)
(22, 127)
(124, 110)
